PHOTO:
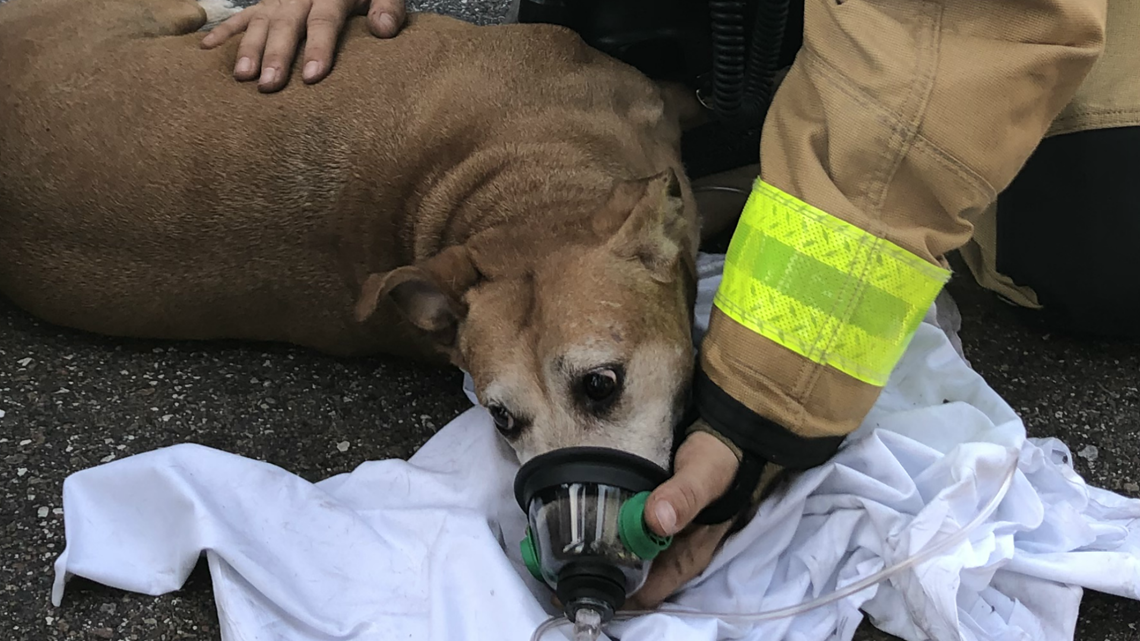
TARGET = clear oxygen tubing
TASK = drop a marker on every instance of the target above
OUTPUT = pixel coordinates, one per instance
(790, 611)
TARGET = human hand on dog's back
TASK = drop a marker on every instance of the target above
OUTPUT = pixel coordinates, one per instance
(273, 30)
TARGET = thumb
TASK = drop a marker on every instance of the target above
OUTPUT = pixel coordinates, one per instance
(703, 470)
(386, 17)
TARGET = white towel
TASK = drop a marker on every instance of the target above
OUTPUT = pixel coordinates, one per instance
(427, 549)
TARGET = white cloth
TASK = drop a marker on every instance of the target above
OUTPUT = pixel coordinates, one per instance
(427, 549)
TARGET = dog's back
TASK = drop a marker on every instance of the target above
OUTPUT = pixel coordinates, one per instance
(144, 192)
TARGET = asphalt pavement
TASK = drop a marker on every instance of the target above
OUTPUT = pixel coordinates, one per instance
(69, 401)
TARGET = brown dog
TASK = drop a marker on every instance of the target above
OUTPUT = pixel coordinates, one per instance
(504, 197)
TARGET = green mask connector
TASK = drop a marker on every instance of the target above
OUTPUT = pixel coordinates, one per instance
(635, 533)
(530, 555)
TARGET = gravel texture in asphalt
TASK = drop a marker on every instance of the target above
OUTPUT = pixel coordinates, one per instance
(69, 401)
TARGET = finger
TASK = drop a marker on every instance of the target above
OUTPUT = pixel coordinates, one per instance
(703, 470)
(251, 47)
(226, 29)
(325, 22)
(280, 50)
(386, 17)
(689, 555)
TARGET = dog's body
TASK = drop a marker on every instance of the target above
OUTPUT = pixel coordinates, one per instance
(145, 193)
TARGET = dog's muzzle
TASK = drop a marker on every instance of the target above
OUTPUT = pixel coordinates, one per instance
(587, 538)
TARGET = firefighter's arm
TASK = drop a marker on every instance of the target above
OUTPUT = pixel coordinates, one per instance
(898, 121)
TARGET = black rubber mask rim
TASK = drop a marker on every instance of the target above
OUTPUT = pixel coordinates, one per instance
(601, 465)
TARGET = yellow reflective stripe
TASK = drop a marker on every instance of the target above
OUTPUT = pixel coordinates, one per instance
(823, 287)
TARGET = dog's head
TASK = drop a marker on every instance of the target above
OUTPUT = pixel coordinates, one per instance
(575, 332)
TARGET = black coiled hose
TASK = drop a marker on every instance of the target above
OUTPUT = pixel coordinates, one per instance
(742, 89)
(728, 56)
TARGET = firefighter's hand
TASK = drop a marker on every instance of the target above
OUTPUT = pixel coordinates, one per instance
(703, 470)
(273, 30)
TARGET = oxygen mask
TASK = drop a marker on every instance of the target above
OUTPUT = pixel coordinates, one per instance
(587, 538)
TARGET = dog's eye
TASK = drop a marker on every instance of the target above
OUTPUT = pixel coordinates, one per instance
(504, 422)
(600, 385)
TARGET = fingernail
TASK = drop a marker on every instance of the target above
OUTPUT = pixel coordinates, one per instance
(312, 68)
(245, 65)
(268, 75)
(387, 23)
(666, 516)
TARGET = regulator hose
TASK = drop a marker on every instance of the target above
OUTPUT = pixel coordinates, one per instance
(728, 56)
(743, 74)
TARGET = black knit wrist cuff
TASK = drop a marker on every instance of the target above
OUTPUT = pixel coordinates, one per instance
(760, 439)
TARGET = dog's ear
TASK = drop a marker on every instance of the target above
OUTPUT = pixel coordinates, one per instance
(653, 231)
(429, 294)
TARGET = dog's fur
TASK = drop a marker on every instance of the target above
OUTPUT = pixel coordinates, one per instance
(503, 197)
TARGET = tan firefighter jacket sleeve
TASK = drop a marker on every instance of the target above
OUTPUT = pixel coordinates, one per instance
(898, 122)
